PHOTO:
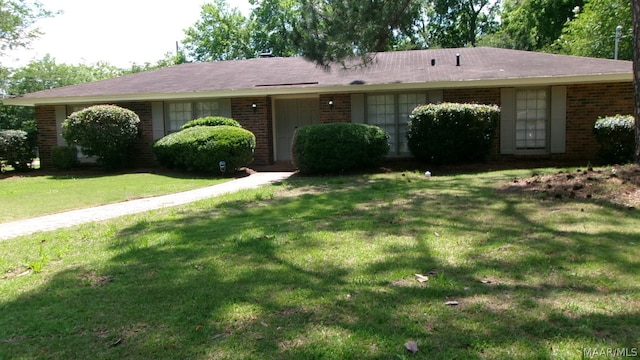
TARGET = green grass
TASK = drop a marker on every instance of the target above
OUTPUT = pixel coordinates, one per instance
(30, 196)
(323, 268)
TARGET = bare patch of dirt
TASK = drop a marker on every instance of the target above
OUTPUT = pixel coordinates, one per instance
(92, 279)
(619, 185)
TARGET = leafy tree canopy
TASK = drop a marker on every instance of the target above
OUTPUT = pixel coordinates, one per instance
(532, 24)
(592, 32)
(221, 34)
(16, 20)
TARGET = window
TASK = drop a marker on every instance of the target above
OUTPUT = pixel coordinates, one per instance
(179, 113)
(532, 112)
(391, 113)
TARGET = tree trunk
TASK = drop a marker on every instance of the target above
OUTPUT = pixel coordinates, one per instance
(635, 9)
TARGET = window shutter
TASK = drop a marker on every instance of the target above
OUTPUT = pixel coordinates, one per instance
(507, 120)
(224, 107)
(558, 126)
(157, 119)
(357, 108)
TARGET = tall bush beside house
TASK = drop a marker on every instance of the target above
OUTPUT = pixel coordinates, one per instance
(338, 147)
(104, 131)
(16, 149)
(616, 137)
(201, 148)
(451, 133)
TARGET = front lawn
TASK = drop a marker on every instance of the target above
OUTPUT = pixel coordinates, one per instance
(325, 268)
(29, 195)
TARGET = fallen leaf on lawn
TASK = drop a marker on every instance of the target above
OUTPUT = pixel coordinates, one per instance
(411, 346)
(436, 234)
(116, 343)
(422, 278)
(451, 303)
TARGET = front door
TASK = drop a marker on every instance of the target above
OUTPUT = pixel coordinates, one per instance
(291, 114)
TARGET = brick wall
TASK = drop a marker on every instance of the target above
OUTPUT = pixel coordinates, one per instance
(340, 111)
(259, 122)
(47, 134)
(473, 96)
(585, 103)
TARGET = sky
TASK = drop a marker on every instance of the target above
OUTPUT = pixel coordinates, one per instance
(120, 32)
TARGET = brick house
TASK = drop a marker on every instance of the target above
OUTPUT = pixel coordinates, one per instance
(549, 102)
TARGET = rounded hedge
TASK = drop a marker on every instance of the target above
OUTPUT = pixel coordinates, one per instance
(16, 149)
(451, 133)
(616, 137)
(211, 121)
(104, 131)
(338, 147)
(201, 148)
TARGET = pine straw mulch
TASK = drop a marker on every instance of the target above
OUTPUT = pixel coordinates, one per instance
(619, 185)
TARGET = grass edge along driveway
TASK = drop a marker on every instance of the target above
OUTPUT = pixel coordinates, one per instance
(31, 196)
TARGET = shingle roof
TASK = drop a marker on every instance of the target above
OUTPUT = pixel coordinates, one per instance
(398, 70)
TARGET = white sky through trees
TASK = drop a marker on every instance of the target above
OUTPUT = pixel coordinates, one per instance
(120, 32)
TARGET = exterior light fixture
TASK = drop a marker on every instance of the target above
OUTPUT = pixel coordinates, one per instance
(254, 106)
(223, 167)
(330, 104)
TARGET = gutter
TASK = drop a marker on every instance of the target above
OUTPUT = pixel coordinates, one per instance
(306, 89)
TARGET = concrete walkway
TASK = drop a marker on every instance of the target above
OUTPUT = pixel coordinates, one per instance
(75, 217)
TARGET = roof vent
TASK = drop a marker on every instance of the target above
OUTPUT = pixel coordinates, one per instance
(266, 55)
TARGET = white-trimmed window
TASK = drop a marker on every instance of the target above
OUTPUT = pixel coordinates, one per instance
(533, 120)
(532, 114)
(391, 113)
(179, 113)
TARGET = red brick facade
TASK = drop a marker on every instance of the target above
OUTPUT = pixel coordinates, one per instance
(259, 121)
(585, 103)
(47, 134)
(339, 110)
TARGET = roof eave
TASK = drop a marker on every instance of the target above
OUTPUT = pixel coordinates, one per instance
(315, 89)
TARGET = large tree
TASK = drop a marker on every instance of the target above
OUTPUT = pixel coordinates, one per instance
(221, 34)
(635, 10)
(271, 26)
(41, 75)
(330, 31)
(16, 23)
(592, 33)
(459, 23)
(532, 24)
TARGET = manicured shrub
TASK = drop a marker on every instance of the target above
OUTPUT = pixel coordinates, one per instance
(450, 133)
(338, 147)
(211, 121)
(104, 131)
(16, 149)
(616, 137)
(64, 157)
(201, 148)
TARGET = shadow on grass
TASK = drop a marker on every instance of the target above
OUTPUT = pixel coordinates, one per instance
(326, 271)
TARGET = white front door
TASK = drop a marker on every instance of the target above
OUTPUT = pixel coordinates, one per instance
(291, 114)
